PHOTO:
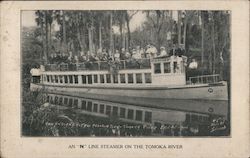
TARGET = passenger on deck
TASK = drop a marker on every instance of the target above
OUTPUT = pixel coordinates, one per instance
(180, 51)
(136, 55)
(193, 64)
(193, 70)
(163, 52)
(110, 55)
(142, 52)
(99, 54)
(64, 58)
(117, 55)
(173, 51)
(82, 57)
(151, 51)
(127, 55)
(70, 57)
(104, 55)
(92, 57)
(138, 50)
(123, 54)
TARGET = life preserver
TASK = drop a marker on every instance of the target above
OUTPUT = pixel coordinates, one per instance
(210, 90)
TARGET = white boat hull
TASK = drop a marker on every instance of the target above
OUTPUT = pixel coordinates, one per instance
(200, 92)
(198, 99)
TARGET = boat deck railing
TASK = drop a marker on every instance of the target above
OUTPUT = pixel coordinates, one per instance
(101, 65)
(204, 79)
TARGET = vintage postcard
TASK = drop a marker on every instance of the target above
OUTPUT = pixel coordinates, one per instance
(125, 79)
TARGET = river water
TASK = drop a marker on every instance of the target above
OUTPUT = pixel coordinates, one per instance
(61, 114)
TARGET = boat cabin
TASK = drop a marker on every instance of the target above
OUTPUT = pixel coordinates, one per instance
(169, 70)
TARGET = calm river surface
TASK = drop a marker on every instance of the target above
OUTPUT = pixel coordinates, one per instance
(61, 114)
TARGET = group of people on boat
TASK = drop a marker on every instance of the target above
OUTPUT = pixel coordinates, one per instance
(136, 53)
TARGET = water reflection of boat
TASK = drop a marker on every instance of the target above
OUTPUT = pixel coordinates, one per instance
(158, 118)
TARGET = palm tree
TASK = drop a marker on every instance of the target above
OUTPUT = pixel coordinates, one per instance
(120, 20)
(128, 17)
(40, 20)
(48, 23)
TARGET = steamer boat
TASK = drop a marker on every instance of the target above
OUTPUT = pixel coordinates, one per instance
(157, 78)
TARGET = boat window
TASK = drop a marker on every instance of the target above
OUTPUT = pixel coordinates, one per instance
(157, 68)
(108, 78)
(175, 67)
(108, 110)
(70, 102)
(70, 79)
(148, 117)
(167, 68)
(205, 118)
(65, 79)
(47, 100)
(122, 112)
(115, 111)
(138, 78)
(130, 114)
(75, 103)
(95, 79)
(200, 117)
(52, 79)
(56, 100)
(89, 106)
(56, 78)
(51, 100)
(61, 79)
(84, 107)
(122, 78)
(89, 79)
(60, 100)
(194, 117)
(188, 118)
(115, 78)
(65, 101)
(102, 108)
(95, 109)
(76, 79)
(48, 78)
(130, 78)
(84, 79)
(148, 78)
(138, 115)
(102, 78)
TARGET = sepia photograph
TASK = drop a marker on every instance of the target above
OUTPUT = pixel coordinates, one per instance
(143, 79)
(125, 73)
